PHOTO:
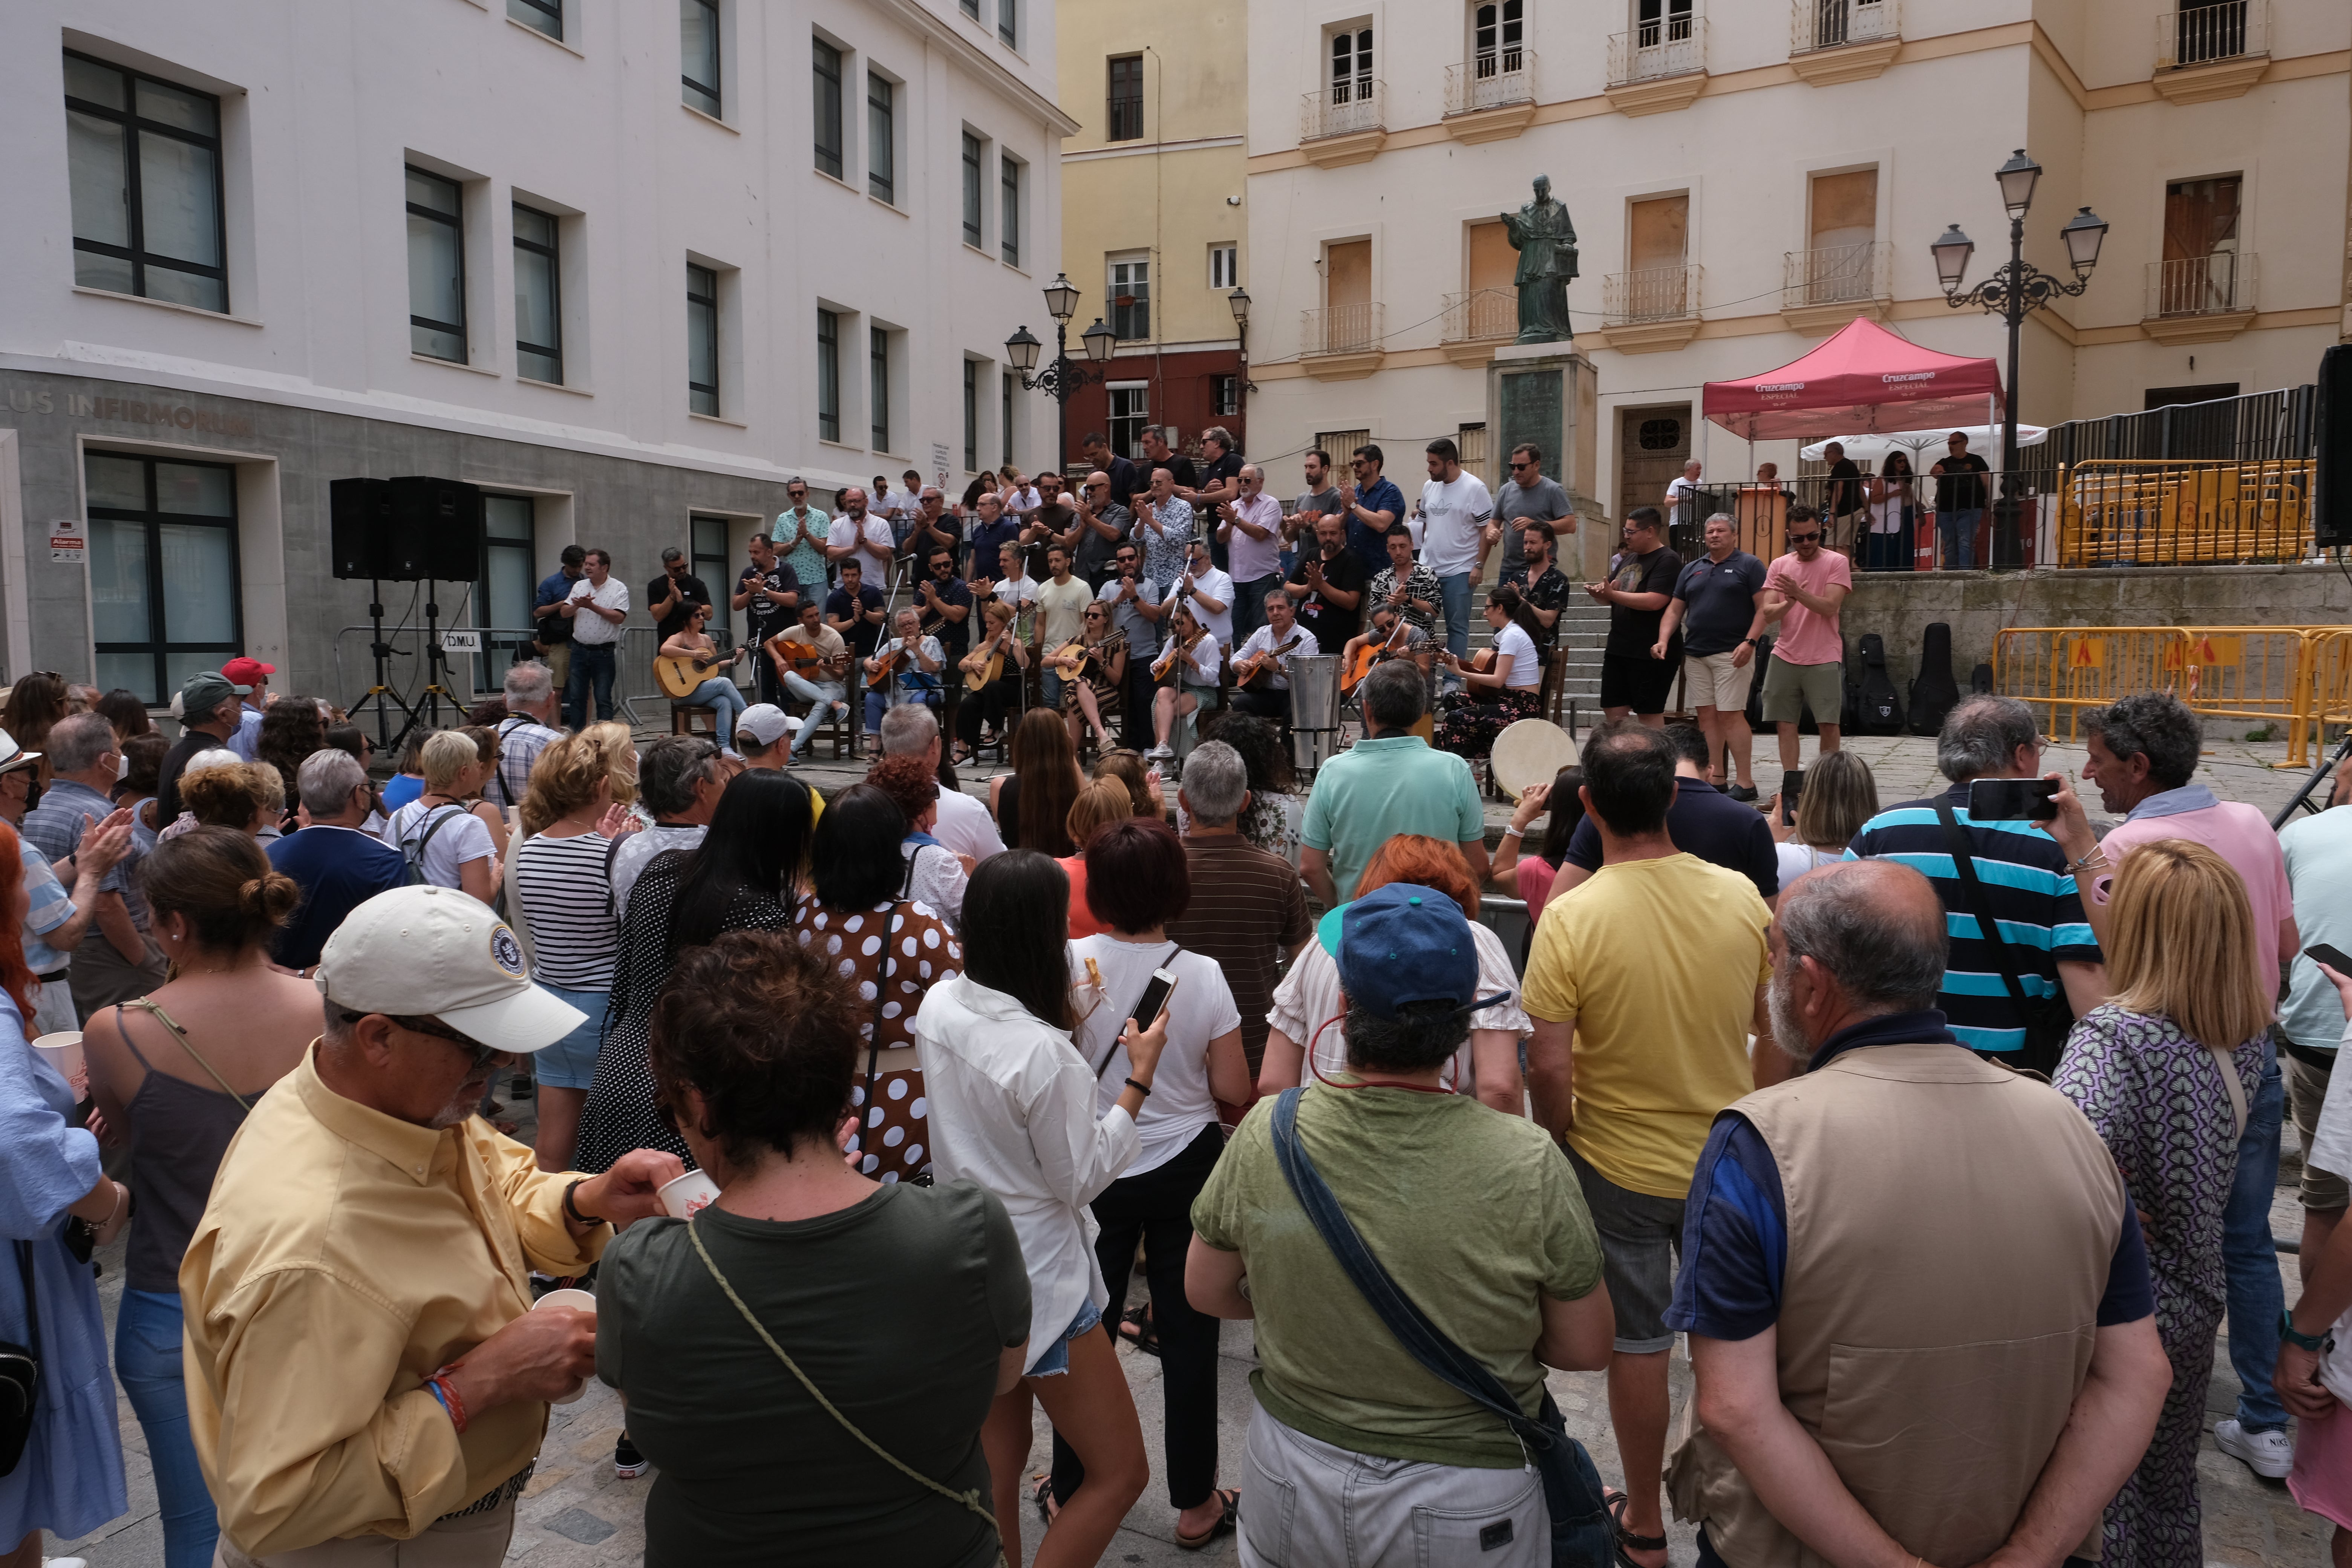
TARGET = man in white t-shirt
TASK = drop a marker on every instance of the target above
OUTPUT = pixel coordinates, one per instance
(856, 534)
(1454, 507)
(1683, 492)
(596, 606)
(1269, 697)
(964, 825)
(1209, 591)
(1249, 528)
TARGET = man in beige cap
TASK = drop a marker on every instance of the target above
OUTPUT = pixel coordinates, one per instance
(364, 1368)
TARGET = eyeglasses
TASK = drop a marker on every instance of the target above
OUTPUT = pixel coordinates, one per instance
(483, 1055)
(1804, 538)
(1516, 463)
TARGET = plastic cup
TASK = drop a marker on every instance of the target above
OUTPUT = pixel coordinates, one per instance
(688, 1196)
(63, 1051)
(578, 1301)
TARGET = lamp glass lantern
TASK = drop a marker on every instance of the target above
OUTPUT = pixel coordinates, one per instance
(1020, 351)
(1240, 301)
(2017, 178)
(1062, 298)
(1952, 253)
(1099, 341)
(2083, 234)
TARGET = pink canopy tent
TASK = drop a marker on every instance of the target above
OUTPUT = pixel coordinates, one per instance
(1865, 378)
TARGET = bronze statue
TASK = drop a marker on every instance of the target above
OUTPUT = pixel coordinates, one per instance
(1545, 240)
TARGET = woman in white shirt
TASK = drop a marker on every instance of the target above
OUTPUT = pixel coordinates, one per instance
(1013, 1109)
(1508, 689)
(1137, 881)
(1306, 1018)
(450, 843)
(1195, 668)
(1893, 510)
(1841, 794)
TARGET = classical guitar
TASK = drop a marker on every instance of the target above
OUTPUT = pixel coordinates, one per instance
(679, 678)
(1372, 653)
(797, 656)
(1258, 665)
(1166, 663)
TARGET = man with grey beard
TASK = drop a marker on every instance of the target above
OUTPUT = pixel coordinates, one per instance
(1904, 1206)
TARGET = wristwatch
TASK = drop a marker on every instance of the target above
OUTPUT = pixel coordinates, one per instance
(1747, 642)
(2318, 1343)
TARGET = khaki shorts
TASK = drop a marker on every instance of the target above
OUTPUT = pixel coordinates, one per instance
(2306, 1088)
(1820, 687)
(1711, 680)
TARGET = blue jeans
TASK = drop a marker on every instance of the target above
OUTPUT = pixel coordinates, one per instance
(147, 1359)
(1454, 591)
(1959, 528)
(1249, 606)
(820, 694)
(877, 704)
(2251, 1259)
(725, 704)
(591, 664)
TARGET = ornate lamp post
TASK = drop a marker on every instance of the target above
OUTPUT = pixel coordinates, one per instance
(2020, 286)
(1065, 375)
(1240, 301)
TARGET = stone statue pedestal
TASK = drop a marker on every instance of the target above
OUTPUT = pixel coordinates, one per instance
(1546, 394)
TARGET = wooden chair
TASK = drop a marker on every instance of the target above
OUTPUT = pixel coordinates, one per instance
(682, 720)
(835, 731)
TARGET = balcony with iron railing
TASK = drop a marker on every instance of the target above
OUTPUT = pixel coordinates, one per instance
(1672, 46)
(2213, 51)
(2200, 298)
(1339, 343)
(1498, 78)
(1826, 288)
(1843, 40)
(1651, 310)
(1476, 321)
(1341, 122)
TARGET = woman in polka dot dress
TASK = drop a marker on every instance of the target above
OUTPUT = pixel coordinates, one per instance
(891, 947)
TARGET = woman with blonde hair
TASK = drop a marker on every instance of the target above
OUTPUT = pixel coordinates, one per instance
(561, 895)
(448, 845)
(1841, 794)
(2164, 1070)
(1102, 801)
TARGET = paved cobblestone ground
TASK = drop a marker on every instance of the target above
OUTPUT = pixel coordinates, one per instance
(577, 1515)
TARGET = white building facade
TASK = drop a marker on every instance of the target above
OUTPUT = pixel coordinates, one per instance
(1746, 178)
(626, 265)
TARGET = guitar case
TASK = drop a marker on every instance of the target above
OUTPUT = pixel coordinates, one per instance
(1933, 692)
(1878, 707)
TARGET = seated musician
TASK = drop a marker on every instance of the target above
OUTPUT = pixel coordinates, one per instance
(812, 662)
(1501, 685)
(1189, 671)
(1093, 678)
(1413, 645)
(1268, 694)
(991, 700)
(717, 693)
(907, 664)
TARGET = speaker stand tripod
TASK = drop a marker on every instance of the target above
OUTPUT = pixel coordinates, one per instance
(2328, 763)
(436, 665)
(382, 690)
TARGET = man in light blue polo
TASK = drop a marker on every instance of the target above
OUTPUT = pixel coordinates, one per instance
(1390, 782)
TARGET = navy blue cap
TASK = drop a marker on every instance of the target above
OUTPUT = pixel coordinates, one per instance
(1404, 943)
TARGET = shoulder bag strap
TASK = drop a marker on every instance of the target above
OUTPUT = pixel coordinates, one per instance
(1964, 867)
(32, 1305)
(968, 1498)
(611, 896)
(520, 921)
(149, 1004)
(881, 993)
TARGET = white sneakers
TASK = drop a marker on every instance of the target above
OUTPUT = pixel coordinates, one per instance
(2267, 1454)
(1161, 751)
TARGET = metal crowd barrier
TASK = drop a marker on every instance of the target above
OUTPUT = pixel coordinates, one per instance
(2298, 678)
(2145, 512)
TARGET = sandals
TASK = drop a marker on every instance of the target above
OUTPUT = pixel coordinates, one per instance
(1230, 1517)
(1144, 1337)
(1040, 1492)
(1616, 1502)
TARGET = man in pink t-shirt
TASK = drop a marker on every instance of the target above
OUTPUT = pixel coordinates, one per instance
(1802, 591)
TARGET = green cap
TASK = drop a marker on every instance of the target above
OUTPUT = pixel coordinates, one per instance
(205, 690)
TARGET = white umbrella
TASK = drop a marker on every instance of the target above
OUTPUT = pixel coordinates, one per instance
(1983, 439)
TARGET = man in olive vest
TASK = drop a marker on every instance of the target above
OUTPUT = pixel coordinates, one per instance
(1918, 1304)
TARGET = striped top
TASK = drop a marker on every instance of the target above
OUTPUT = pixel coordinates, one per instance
(2023, 875)
(569, 905)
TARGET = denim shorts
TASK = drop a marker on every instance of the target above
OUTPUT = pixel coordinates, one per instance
(570, 1062)
(1055, 1361)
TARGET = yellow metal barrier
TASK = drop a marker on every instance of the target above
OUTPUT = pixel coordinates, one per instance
(2136, 512)
(2298, 677)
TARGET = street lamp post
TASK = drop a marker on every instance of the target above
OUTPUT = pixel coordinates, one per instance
(1243, 387)
(1065, 375)
(2020, 286)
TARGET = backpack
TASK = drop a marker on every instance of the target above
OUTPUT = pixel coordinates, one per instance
(413, 860)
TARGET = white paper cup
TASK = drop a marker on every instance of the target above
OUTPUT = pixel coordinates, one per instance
(578, 1301)
(62, 1051)
(688, 1195)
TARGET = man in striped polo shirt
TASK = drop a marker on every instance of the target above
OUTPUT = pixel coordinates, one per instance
(2031, 885)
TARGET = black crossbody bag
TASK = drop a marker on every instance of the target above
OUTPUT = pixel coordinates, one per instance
(1579, 1522)
(20, 1374)
(2048, 1019)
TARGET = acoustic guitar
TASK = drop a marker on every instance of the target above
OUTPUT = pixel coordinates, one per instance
(1372, 653)
(1162, 666)
(1258, 665)
(679, 678)
(880, 680)
(798, 656)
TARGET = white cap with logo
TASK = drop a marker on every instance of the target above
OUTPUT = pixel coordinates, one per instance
(427, 951)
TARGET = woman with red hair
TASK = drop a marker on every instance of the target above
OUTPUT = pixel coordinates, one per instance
(1308, 1007)
(56, 1205)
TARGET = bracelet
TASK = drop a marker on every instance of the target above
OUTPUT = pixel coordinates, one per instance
(444, 1390)
(1142, 1089)
(572, 1209)
(2095, 861)
(2321, 1343)
(1514, 831)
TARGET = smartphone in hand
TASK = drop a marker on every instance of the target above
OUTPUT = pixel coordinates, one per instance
(2013, 800)
(2333, 957)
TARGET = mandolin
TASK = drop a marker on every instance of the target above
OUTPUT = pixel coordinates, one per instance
(891, 664)
(991, 669)
(1258, 665)
(680, 678)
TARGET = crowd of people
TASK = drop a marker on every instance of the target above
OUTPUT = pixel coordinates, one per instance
(859, 1112)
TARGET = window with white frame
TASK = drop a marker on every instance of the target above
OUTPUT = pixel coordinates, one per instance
(1224, 265)
(1225, 393)
(1130, 416)
(143, 160)
(1351, 64)
(1129, 288)
(1497, 37)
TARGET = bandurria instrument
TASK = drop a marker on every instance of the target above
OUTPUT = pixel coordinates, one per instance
(1258, 665)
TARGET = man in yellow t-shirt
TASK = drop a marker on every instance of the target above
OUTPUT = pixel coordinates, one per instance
(1643, 985)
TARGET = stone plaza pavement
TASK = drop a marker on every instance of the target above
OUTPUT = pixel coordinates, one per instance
(577, 1515)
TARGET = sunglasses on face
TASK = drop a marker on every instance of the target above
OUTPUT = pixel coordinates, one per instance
(1804, 538)
(483, 1055)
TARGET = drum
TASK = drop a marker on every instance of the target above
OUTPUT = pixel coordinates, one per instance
(1530, 752)
(1313, 710)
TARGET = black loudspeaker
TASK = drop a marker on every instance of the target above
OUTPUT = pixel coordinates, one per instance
(434, 530)
(360, 513)
(2331, 518)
